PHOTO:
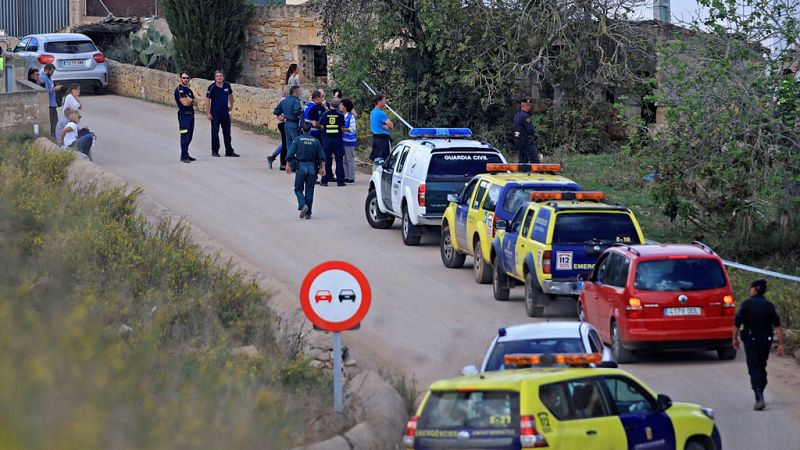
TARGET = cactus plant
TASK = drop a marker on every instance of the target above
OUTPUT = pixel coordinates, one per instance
(152, 47)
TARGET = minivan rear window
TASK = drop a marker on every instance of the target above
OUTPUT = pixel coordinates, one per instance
(485, 410)
(587, 228)
(70, 47)
(675, 275)
(463, 164)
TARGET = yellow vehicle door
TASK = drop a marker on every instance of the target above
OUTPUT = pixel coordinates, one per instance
(462, 213)
(475, 215)
(523, 242)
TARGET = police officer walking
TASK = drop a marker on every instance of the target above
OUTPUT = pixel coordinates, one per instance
(184, 98)
(524, 134)
(759, 319)
(305, 153)
(292, 112)
(220, 105)
(332, 122)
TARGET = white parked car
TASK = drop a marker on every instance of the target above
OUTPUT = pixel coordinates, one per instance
(413, 183)
(75, 56)
(542, 338)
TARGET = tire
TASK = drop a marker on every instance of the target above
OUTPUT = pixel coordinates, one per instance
(581, 312)
(726, 353)
(534, 298)
(411, 233)
(451, 258)
(499, 282)
(621, 354)
(695, 445)
(375, 217)
(481, 270)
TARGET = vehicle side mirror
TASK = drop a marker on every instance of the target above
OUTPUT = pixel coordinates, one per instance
(501, 225)
(378, 161)
(469, 370)
(664, 402)
(452, 198)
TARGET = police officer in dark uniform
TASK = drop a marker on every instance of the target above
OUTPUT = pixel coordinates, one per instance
(306, 155)
(220, 104)
(759, 319)
(184, 97)
(313, 111)
(332, 123)
(524, 134)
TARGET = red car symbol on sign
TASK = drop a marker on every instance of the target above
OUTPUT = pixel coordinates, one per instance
(323, 296)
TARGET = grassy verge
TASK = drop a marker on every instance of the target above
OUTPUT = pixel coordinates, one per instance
(118, 335)
(619, 176)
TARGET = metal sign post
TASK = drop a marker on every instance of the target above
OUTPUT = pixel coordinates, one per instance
(335, 296)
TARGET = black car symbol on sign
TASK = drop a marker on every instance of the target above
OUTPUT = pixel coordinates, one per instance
(347, 294)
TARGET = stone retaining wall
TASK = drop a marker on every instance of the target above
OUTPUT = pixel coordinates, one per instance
(20, 110)
(252, 105)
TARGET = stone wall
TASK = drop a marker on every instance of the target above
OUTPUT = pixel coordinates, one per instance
(274, 37)
(21, 109)
(252, 105)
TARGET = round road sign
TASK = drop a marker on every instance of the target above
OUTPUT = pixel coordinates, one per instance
(335, 296)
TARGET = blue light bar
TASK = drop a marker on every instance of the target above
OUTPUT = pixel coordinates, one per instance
(441, 133)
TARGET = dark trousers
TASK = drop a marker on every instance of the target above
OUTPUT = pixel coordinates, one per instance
(292, 131)
(304, 181)
(84, 145)
(381, 145)
(527, 151)
(756, 352)
(284, 147)
(223, 119)
(53, 120)
(333, 148)
(186, 127)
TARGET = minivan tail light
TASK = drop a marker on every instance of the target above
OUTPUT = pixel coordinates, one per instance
(634, 308)
(411, 430)
(46, 59)
(421, 195)
(546, 261)
(99, 57)
(528, 436)
(728, 306)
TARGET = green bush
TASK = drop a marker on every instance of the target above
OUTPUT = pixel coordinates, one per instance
(116, 334)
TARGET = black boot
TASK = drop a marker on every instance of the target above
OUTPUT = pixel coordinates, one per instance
(760, 404)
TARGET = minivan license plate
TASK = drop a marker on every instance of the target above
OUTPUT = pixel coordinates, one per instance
(682, 311)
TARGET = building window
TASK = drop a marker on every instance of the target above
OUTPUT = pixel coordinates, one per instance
(314, 63)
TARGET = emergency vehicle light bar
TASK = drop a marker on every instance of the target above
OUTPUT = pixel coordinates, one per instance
(441, 133)
(569, 359)
(581, 195)
(542, 168)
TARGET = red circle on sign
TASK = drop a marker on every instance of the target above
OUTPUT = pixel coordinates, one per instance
(305, 297)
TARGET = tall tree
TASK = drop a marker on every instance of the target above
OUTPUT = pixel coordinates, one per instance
(209, 34)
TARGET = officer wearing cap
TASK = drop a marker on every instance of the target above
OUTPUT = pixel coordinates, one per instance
(524, 134)
(759, 319)
(332, 123)
(184, 98)
(305, 153)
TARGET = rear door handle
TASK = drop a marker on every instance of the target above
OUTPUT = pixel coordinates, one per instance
(591, 432)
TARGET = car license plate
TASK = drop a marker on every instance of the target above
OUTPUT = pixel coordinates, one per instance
(682, 311)
(74, 63)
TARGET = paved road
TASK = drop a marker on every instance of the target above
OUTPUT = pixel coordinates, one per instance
(425, 319)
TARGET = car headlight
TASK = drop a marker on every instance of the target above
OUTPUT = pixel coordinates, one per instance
(708, 412)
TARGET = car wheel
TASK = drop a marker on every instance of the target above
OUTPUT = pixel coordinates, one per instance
(451, 257)
(726, 353)
(411, 233)
(621, 354)
(581, 312)
(695, 445)
(534, 298)
(480, 268)
(499, 282)
(375, 217)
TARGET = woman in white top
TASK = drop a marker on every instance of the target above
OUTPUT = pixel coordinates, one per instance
(293, 75)
(72, 101)
(71, 138)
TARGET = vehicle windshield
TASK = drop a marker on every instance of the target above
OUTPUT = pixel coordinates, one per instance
(591, 228)
(496, 410)
(675, 275)
(520, 195)
(531, 346)
(464, 164)
(70, 47)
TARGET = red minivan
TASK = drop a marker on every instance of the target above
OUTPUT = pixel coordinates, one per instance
(660, 297)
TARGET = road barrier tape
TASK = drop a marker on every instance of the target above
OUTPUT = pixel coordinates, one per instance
(389, 107)
(747, 268)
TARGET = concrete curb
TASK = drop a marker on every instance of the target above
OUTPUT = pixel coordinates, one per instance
(376, 405)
